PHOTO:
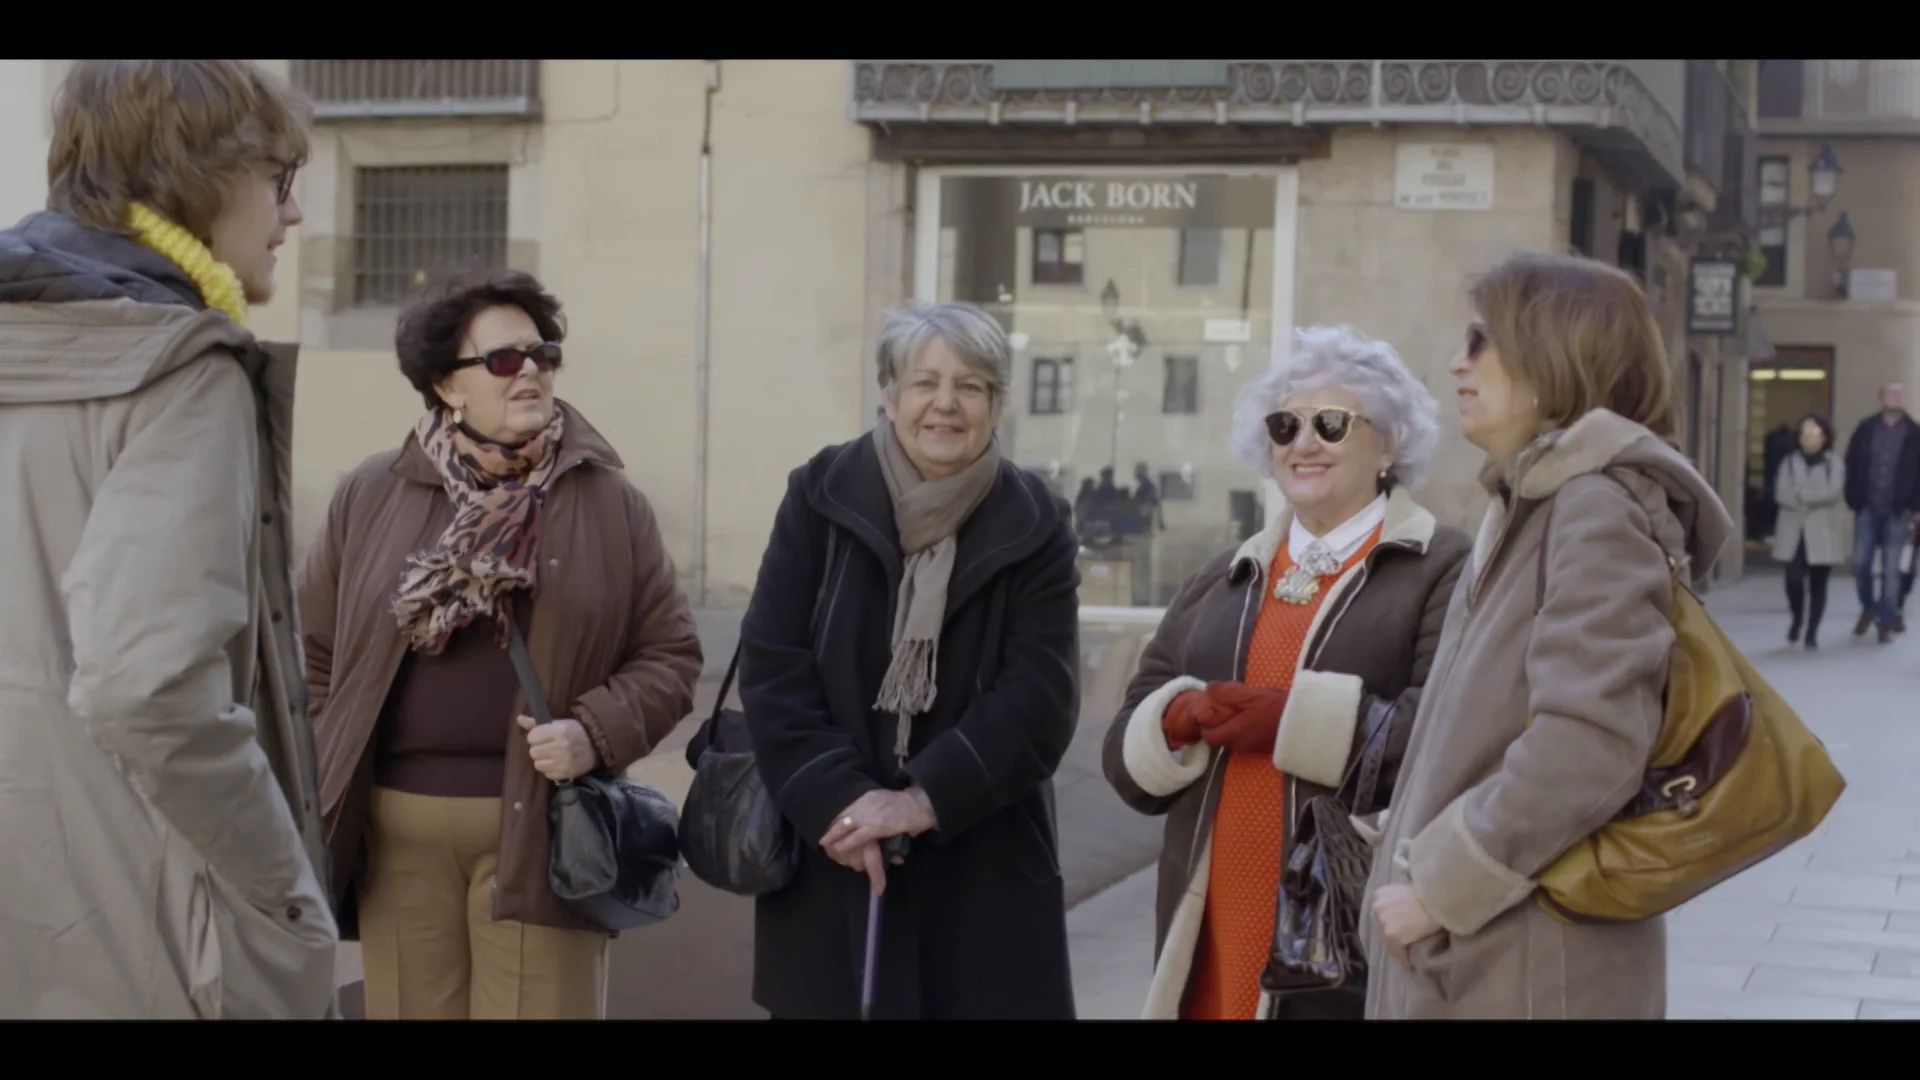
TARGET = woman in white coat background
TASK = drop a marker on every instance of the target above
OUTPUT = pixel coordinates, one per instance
(1811, 533)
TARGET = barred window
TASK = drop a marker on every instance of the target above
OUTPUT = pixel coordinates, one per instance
(415, 221)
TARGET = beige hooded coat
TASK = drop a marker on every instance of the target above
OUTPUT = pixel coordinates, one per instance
(159, 830)
(1535, 729)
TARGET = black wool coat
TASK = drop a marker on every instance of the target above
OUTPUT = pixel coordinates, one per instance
(974, 924)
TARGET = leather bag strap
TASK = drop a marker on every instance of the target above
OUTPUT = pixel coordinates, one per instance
(529, 682)
(819, 597)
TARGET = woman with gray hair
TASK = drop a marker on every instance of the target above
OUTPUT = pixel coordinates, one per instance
(909, 669)
(1286, 670)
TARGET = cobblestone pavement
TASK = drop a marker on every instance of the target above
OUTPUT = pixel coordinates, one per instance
(1828, 929)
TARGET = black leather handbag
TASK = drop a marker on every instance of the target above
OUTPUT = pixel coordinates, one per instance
(615, 855)
(735, 837)
(1316, 916)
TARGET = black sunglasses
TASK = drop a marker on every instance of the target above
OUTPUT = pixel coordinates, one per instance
(508, 361)
(1476, 340)
(1330, 423)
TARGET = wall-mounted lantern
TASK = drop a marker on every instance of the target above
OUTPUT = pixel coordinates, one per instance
(1840, 246)
(1823, 176)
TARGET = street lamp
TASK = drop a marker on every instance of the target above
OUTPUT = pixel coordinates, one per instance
(1823, 181)
(1823, 175)
(1840, 246)
(1128, 328)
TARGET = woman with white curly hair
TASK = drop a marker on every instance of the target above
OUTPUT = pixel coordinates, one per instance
(1285, 667)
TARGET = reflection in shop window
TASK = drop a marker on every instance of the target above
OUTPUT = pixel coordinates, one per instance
(1115, 287)
(1181, 393)
(1052, 386)
(1199, 256)
(1059, 256)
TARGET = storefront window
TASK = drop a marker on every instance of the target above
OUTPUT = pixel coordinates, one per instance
(1137, 306)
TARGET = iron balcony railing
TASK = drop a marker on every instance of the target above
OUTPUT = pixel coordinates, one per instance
(376, 89)
(1620, 101)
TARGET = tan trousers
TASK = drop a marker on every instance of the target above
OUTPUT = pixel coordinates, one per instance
(429, 946)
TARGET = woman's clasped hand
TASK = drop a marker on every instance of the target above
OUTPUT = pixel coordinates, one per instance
(1228, 714)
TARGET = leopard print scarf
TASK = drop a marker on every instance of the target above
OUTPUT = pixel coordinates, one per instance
(489, 550)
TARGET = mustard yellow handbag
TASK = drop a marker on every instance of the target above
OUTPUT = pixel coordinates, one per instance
(1735, 776)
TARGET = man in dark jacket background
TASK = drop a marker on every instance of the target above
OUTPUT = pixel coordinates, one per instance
(1883, 489)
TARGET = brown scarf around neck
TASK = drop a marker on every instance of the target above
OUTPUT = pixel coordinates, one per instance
(928, 515)
(489, 549)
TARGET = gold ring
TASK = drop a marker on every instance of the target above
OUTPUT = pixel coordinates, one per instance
(847, 821)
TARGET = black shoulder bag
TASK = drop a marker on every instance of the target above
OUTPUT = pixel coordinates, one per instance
(1316, 916)
(735, 838)
(614, 856)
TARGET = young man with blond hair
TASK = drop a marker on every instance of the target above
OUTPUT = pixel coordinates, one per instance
(160, 845)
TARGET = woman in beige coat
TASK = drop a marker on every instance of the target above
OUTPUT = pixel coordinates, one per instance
(1811, 535)
(1547, 689)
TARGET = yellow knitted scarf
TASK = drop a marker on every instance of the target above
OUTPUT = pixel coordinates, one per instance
(219, 286)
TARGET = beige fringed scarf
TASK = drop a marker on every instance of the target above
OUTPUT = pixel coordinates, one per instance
(928, 514)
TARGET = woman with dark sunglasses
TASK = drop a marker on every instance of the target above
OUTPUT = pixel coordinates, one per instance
(1288, 669)
(501, 503)
(1550, 689)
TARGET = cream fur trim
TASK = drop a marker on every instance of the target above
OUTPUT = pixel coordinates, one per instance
(1159, 771)
(1316, 728)
(1372, 827)
(1406, 520)
(1461, 886)
(1175, 966)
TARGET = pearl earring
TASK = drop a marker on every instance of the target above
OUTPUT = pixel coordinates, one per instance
(458, 416)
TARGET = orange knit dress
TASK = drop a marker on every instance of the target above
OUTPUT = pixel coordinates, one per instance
(1236, 934)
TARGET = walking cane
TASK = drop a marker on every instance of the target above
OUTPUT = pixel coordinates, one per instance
(891, 848)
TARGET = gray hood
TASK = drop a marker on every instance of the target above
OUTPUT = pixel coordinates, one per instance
(1603, 440)
(86, 314)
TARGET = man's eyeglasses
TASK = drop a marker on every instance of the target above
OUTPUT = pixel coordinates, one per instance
(283, 179)
(508, 361)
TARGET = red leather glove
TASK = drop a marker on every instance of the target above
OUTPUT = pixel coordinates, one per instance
(1186, 714)
(1248, 718)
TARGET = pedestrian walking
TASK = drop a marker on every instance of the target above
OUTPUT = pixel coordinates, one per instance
(920, 684)
(1811, 535)
(159, 830)
(1281, 665)
(1548, 689)
(500, 503)
(1883, 491)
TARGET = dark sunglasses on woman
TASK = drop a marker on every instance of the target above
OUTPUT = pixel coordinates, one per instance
(1330, 422)
(1476, 340)
(506, 362)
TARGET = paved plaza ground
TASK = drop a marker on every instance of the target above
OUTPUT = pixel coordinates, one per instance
(1829, 929)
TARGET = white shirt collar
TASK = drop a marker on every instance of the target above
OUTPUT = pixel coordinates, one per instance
(1344, 539)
